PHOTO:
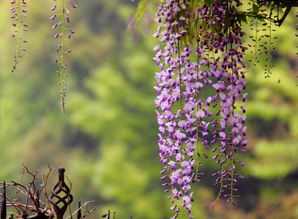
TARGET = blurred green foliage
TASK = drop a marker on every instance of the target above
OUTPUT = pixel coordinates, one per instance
(107, 137)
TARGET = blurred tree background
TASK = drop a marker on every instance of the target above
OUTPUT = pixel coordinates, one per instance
(107, 138)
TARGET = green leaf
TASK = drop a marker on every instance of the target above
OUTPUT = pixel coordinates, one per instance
(141, 9)
(255, 8)
(243, 18)
(208, 2)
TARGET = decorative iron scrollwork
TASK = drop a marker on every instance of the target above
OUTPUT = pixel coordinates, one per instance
(60, 197)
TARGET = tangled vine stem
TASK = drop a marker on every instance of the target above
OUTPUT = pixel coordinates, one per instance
(271, 10)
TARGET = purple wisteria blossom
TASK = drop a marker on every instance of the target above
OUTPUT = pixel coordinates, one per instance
(18, 16)
(200, 52)
(61, 26)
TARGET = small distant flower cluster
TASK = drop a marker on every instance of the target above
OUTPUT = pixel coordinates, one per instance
(262, 40)
(61, 26)
(18, 15)
(200, 53)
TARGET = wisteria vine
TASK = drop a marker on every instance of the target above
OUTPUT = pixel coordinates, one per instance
(200, 51)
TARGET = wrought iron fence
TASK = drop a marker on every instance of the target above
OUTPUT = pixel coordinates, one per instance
(32, 201)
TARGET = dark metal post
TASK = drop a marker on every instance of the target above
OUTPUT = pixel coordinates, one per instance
(3, 209)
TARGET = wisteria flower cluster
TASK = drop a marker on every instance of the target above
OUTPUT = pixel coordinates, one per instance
(61, 26)
(18, 16)
(200, 96)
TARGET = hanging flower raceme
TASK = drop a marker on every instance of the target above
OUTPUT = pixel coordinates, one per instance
(200, 50)
(61, 25)
(18, 16)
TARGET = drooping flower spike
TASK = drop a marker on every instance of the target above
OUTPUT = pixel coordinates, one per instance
(61, 26)
(18, 16)
(200, 49)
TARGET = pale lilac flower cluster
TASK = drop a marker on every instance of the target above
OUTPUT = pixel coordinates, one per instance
(61, 26)
(178, 134)
(187, 118)
(18, 15)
